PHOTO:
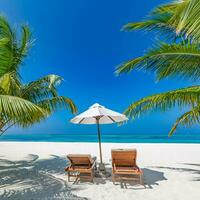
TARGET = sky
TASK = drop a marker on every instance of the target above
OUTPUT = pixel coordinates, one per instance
(82, 41)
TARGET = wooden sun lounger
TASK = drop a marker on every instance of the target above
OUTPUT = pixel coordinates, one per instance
(124, 165)
(81, 167)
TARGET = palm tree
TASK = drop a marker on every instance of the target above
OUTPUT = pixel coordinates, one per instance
(177, 56)
(24, 104)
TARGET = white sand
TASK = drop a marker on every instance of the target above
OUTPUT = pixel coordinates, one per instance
(34, 170)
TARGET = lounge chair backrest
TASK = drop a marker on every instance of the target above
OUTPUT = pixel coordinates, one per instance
(124, 156)
(80, 159)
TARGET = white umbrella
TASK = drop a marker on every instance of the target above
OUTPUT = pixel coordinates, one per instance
(98, 114)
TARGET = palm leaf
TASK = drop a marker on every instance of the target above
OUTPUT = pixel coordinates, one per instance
(23, 46)
(159, 23)
(189, 96)
(12, 52)
(187, 18)
(9, 84)
(6, 30)
(168, 60)
(44, 87)
(180, 17)
(166, 8)
(6, 56)
(159, 20)
(187, 119)
(16, 108)
(59, 102)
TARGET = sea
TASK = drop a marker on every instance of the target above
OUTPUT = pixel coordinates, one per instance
(105, 137)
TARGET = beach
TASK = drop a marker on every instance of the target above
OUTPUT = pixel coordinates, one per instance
(35, 170)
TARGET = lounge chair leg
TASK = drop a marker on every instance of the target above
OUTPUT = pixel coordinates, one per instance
(92, 179)
(113, 179)
(68, 176)
(141, 179)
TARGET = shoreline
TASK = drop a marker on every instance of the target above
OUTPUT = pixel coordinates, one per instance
(32, 141)
(105, 138)
(92, 142)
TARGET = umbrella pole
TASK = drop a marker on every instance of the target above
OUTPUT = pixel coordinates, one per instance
(99, 137)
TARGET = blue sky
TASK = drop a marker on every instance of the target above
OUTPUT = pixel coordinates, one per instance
(81, 41)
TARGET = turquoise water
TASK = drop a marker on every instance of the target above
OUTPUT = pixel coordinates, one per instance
(106, 137)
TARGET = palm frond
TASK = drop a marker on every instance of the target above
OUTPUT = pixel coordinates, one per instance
(166, 8)
(9, 84)
(16, 109)
(179, 17)
(168, 60)
(44, 87)
(25, 40)
(159, 21)
(59, 102)
(12, 52)
(187, 18)
(50, 80)
(6, 56)
(189, 96)
(160, 24)
(24, 45)
(6, 30)
(187, 119)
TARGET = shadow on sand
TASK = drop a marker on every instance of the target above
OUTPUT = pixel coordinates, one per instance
(34, 179)
(194, 171)
(151, 178)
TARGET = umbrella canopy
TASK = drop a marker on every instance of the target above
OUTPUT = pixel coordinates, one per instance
(98, 114)
(96, 111)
